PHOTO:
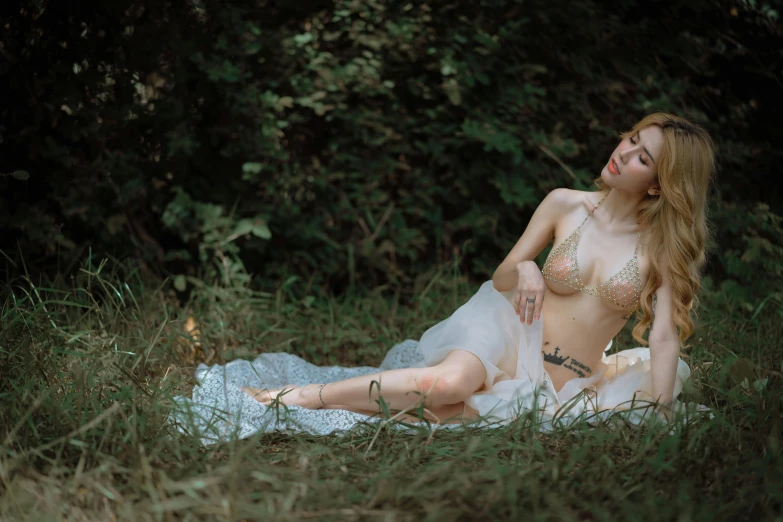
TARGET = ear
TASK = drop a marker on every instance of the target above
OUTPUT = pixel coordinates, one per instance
(654, 190)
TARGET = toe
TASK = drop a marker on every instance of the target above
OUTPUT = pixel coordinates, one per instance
(258, 394)
(266, 395)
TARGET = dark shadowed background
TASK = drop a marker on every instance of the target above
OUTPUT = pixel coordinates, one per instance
(357, 143)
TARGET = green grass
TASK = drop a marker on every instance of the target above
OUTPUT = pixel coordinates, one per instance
(89, 366)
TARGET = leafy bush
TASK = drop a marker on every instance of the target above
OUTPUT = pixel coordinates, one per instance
(365, 142)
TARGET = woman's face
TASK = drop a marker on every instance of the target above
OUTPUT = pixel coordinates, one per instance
(632, 167)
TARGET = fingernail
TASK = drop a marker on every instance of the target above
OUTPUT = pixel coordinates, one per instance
(536, 318)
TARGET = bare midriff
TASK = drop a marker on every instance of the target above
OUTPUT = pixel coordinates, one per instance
(577, 327)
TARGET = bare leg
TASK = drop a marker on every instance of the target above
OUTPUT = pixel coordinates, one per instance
(458, 376)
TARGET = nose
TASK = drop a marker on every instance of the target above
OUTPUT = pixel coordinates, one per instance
(627, 152)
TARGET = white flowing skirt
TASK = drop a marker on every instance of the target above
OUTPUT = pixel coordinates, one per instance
(516, 384)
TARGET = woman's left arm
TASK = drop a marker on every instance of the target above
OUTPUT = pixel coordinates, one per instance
(664, 344)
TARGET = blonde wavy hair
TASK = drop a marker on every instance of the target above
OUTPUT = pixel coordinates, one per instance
(675, 223)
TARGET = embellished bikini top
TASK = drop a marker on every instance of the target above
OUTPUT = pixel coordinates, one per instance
(623, 289)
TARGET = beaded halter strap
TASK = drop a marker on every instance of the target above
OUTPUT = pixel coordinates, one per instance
(623, 289)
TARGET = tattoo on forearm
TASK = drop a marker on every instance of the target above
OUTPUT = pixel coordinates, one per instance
(582, 370)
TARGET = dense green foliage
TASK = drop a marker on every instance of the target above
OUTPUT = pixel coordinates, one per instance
(353, 142)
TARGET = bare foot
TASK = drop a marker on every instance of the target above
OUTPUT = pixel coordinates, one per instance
(290, 395)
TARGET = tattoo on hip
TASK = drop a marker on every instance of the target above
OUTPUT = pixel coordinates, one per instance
(582, 370)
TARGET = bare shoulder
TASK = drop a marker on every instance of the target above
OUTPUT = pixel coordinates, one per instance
(572, 207)
(585, 199)
(564, 199)
(558, 206)
(569, 202)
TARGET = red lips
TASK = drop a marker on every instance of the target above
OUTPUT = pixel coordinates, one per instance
(613, 167)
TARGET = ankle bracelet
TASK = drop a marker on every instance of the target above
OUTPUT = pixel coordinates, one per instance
(321, 389)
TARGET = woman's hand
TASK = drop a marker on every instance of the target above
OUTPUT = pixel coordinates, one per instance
(530, 285)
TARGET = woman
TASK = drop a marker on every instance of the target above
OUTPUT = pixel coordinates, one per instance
(638, 243)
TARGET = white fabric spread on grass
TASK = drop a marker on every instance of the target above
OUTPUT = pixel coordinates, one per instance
(486, 325)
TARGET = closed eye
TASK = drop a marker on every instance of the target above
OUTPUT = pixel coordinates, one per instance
(640, 156)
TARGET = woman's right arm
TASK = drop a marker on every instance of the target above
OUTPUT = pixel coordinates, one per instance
(539, 232)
